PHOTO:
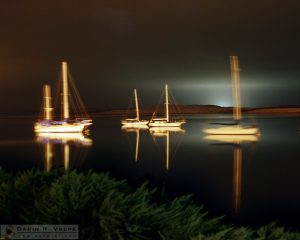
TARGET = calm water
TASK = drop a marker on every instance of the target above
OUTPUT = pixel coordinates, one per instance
(251, 183)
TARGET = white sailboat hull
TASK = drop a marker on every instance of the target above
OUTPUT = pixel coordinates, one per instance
(166, 124)
(60, 128)
(232, 130)
(133, 124)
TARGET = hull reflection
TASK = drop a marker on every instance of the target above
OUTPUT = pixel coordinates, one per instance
(64, 138)
(134, 128)
(164, 131)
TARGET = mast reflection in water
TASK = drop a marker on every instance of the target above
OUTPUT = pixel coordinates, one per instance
(235, 141)
(136, 129)
(164, 132)
(78, 142)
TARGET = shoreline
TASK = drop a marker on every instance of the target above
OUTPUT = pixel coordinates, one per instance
(204, 109)
(185, 110)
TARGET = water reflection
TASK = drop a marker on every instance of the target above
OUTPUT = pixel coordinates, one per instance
(63, 138)
(164, 132)
(48, 155)
(237, 178)
(78, 142)
(135, 129)
(236, 141)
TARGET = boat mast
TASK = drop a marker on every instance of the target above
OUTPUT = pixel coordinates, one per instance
(47, 102)
(236, 95)
(136, 105)
(167, 103)
(65, 93)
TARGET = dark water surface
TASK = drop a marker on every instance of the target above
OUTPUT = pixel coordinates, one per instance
(263, 187)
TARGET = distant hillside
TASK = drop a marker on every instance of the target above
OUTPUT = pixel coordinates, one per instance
(203, 109)
(274, 110)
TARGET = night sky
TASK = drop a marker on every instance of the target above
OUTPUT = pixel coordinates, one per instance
(115, 45)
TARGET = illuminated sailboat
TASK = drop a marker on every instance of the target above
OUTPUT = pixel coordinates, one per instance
(135, 122)
(166, 121)
(235, 128)
(67, 124)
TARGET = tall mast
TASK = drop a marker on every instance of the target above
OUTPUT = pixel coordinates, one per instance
(47, 102)
(65, 91)
(167, 103)
(136, 106)
(236, 95)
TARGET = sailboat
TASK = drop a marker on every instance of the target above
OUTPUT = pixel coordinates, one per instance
(236, 128)
(165, 121)
(135, 122)
(66, 124)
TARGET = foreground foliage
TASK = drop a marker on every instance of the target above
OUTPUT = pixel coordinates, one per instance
(106, 208)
